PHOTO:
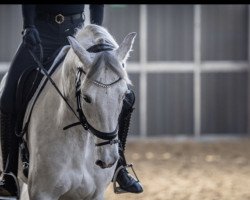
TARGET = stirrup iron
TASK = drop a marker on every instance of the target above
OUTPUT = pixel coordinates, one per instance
(17, 185)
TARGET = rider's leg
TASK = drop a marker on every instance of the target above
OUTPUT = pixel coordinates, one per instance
(9, 147)
(9, 111)
(9, 140)
(124, 179)
(53, 37)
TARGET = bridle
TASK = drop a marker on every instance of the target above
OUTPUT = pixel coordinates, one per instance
(108, 136)
(83, 120)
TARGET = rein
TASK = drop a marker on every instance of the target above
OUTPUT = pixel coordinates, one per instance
(110, 136)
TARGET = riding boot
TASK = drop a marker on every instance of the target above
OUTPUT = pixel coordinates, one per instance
(126, 181)
(9, 147)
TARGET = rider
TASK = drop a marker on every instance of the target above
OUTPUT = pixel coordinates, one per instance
(49, 25)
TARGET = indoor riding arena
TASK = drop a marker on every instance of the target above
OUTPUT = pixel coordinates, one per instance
(189, 135)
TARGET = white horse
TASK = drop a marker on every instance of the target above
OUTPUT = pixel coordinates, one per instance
(79, 163)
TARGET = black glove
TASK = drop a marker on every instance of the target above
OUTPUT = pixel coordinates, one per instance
(31, 37)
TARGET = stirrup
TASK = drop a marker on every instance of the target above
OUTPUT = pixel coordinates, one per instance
(17, 185)
(117, 189)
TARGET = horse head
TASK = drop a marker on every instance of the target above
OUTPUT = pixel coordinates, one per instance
(103, 86)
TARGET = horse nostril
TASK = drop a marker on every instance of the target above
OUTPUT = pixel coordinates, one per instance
(103, 165)
(100, 164)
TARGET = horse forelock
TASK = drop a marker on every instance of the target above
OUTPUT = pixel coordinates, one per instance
(93, 34)
(107, 59)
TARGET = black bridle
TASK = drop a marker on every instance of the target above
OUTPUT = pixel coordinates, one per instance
(82, 119)
(108, 136)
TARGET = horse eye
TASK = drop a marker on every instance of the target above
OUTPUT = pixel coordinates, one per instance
(87, 99)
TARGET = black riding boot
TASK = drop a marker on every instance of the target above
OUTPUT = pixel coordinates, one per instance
(126, 181)
(9, 147)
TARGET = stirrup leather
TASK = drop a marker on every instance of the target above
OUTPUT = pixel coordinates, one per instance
(117, 189)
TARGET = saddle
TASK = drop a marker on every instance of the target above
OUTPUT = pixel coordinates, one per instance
(30, 85)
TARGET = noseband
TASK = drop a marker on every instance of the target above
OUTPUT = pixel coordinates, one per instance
(109, 136)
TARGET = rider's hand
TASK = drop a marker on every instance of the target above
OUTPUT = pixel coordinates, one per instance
(31, 37)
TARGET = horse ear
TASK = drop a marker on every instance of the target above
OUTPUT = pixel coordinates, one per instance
(80, 51)
(125, 47)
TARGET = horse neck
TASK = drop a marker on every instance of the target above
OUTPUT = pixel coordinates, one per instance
(62, 115)
(65, 79)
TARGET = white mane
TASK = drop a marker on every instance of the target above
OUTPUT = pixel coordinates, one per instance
(94, 34)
